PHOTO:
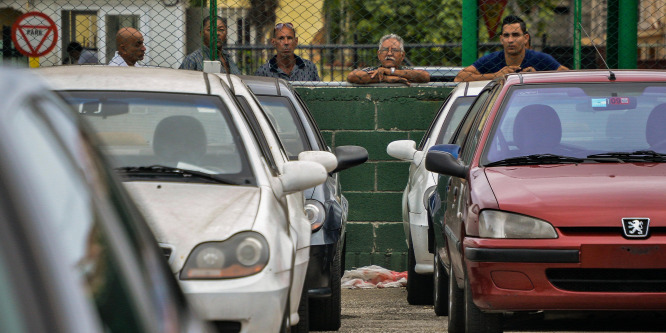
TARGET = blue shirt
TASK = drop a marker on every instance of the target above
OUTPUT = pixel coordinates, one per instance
(304, 70)
(494, 62)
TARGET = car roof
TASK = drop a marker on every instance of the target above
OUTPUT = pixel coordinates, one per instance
(262, 85)
(599, 75)
(87, 77)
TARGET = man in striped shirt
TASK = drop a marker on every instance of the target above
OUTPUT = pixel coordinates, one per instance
(285, 64)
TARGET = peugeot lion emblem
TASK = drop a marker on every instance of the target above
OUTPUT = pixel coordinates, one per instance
(635, 227)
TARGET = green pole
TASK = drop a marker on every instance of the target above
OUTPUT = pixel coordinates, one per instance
(611, 33)
(577, 36)
(628, 34)
(213, 30)
(470, 32)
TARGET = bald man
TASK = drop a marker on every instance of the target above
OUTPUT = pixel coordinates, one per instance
(129, 42)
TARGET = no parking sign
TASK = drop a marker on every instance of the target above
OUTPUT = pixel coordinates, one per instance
(34, 34)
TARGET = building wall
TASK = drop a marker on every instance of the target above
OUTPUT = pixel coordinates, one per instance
(372, 117)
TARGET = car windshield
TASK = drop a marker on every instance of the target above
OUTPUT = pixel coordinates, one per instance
(592, 122)
(286, 122)
(182, 137)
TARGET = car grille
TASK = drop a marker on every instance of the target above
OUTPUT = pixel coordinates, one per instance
(608, 280)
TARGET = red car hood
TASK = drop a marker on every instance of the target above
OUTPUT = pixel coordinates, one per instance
(583, 194)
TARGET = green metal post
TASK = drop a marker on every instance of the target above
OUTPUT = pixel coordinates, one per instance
(213, 29)
(470, 32)
(612, 24)
(628, 34)
(577, 36)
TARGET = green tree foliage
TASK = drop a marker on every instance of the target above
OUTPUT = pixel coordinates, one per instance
(423, 21)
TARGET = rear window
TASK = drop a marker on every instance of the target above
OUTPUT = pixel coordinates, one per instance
(579, 120)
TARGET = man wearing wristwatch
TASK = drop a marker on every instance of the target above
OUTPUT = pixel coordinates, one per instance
(391, 53)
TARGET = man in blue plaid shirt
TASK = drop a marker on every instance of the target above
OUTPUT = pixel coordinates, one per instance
(194, 60)
(285, 64)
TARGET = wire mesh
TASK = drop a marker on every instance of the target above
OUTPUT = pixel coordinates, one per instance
(336, 35)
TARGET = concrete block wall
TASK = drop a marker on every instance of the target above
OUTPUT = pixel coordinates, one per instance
(372, 116)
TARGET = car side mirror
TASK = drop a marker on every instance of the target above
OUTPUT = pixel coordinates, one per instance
(454, 150)
(444, 163)
(402, 149)
(301, 175)
(349, 156)
(327, 159)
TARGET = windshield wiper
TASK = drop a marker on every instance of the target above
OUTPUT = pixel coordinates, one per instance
(537, 159)
(636, 156)
(162, 169)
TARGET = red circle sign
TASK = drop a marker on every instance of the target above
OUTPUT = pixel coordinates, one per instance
(34, 34)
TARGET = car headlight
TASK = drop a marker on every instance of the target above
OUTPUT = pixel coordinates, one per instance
(315, 213)
(241, 255)
(497, 224)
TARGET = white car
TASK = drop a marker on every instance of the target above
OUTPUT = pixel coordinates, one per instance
(420, 185)
(221, 196)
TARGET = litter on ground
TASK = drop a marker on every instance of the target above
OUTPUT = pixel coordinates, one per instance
(373, 276)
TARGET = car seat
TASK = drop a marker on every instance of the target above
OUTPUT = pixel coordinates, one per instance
(537, 130)
(655, 133)
(179, 139)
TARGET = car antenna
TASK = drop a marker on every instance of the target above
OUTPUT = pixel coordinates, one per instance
(612, 75)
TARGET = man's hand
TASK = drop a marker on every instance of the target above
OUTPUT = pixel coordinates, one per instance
(381, 73)
(529, 69)
(508, 69)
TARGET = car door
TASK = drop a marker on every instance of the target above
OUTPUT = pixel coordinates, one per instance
(456, 188)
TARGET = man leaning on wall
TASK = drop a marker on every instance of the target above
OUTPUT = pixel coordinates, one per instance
(516, 56)
(285, 64)
(391, 54)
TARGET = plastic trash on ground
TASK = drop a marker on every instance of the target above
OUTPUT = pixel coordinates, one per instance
(373, 276)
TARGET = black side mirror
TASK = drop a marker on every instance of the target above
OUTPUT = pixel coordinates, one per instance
(349, 156)
(444, 163)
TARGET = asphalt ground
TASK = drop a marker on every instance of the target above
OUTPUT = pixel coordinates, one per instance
(386, 310)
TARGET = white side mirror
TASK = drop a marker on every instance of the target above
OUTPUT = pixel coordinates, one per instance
(301, 175)
(402, 149)
(325, 158)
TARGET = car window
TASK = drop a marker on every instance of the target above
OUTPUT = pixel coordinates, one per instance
(453, 118)
(75, 221)
(184, 131)
(312, 123)
(464, 127)
(579, 120)
(428, 132)
(286, 122)
(260, 137)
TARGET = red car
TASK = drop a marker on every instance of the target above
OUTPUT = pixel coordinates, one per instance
(554, 198)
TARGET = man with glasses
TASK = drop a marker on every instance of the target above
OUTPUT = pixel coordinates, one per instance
(285, 64)
(194, 61)
(516, 56)
(391, 53)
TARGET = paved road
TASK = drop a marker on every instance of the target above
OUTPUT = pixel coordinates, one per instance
(387, 311)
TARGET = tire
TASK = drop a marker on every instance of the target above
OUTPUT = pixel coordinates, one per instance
(456, 318)
(477, 321)
(419, 286)
(303, 315)
(325, 313)
(440, 293)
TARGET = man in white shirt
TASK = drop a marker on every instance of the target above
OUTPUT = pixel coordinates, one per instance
(129, 42)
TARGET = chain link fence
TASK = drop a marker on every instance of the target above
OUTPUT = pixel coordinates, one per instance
(337, 35)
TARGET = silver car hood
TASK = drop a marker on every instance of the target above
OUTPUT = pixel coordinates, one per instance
(182, 215)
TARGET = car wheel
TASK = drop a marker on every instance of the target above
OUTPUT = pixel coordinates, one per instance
(419, 286)
(325, 313)
(477, 320)
(303, 315)
(440, 293)
(456, 318)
